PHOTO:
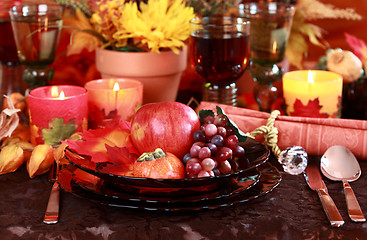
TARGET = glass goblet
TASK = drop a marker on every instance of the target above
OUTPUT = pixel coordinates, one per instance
(37, 29)
(270, 27)
(220, 54)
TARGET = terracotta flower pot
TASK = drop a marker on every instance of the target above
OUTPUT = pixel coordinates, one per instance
(159, 72)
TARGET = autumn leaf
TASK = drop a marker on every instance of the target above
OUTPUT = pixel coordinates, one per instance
(100, 118)
(312, 109)
(95, 142)
(9, 120)
(83, 38)
(297, 45)
(58, 131)
(93, 146)
(122, 161)
(358, 45)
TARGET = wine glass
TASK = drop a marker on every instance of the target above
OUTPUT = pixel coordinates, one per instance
(220, 54)
(11, 69)
(270, 27)
(37, 29)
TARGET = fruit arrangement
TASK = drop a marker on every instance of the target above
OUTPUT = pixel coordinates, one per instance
(215, 150)
(172, 140)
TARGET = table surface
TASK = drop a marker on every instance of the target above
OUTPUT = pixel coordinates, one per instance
(291, 211)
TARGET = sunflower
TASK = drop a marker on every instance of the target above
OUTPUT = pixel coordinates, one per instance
(153, 26)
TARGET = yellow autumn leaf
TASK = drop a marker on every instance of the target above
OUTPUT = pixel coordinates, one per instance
(11, 158)
(41, 160)
(81, 38)
(297, 47)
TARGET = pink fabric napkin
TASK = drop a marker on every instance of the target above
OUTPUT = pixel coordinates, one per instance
(313, 134)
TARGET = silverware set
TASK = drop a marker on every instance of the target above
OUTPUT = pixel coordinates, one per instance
(338, 164)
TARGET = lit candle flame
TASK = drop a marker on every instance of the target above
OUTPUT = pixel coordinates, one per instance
(54, 91)
(310, 77)
(62, 95)
(116, 87)
(274, 47)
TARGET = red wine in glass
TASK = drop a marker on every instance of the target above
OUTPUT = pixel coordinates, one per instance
(220, 58)
(220, 53)
(8, 50)
(11, 69)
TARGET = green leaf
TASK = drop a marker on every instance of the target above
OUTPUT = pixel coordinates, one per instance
(241, 135)
(204, 113)
(58, 131)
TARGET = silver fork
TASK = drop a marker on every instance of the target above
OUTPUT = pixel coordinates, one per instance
(52, 210)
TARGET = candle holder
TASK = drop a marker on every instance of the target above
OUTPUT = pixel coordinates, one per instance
(56, 112)
(313, 93)
(270, 27)
(113, 99)
(37, 29)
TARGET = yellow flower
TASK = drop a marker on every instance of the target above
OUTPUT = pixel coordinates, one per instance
(129, 26)
(158, 24)
(106, 19)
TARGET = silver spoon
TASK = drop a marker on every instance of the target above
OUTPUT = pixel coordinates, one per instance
(339, 164)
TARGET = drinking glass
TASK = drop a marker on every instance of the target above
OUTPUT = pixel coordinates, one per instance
(220, 54)
(270, 27)
(10, 70)
(37, 29)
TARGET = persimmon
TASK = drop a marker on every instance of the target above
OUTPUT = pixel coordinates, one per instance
(159, 165)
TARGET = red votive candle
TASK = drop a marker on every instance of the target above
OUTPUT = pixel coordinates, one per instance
(56, 112)
(113, 99)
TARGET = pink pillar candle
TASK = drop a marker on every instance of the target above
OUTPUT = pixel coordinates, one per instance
(56, 112)
(113, 99)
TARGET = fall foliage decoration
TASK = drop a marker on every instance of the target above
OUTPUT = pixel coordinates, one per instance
(303, 32)
(9, 119)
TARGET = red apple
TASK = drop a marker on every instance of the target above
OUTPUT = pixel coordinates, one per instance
(166, 125)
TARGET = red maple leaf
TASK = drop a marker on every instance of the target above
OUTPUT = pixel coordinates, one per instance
(95, 142)
(100, 118)
(122, 161)
(312, 109)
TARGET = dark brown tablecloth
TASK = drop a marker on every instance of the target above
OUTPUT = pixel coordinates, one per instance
(291, 211)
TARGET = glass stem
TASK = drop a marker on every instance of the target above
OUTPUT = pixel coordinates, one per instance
(37, 76)
(265, 92)
(224, 94)
(265, 96)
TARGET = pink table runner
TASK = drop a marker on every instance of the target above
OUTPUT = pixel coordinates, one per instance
(313, 134)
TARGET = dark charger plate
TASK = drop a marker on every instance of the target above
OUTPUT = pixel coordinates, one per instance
(238, 190)
(256, 152)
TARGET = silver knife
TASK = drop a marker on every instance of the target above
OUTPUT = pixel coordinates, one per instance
(52, 211)
(53, 205)
(315, 182)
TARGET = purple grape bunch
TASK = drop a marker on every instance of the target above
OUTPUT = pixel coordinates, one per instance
(215, 150)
